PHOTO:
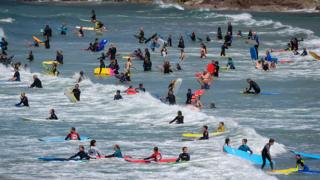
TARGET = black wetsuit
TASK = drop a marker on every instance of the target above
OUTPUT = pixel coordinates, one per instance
(205, 135)
(53, 116)
(183, 157)
(266, 155)
(169, 42)
(141, 89)
(230, 29)
(36, 83)
(76, 93)
(141, 37)
(181, 43)
(228, 39)
(216, 72)
(223, 50)
(219, 34)
(117, 97)
(23, 101)
(171, 98)
(193, 37)
(47, 43)
(178, 119)
(82, 155)
(189, 97)
(254, 86)
(147, 64)
(17, 76)
(59, 58)
(112, 52)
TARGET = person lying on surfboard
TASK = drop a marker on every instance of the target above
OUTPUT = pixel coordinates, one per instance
(205, 133)
(73, 135)
(53, 115)
(252, 86)
(82, 154)
(244, 147)
(156, 156)
(300, 162)
(184, 156)
(117, 152)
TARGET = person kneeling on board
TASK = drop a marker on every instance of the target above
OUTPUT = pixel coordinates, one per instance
(117, 152)
(73, 135)
(36, 82)
(179, 118)
(76, 92)
(23, 100)
(53, 115)
(184, 156)
(82, 154)
(156, 156)
(244, 147)
(205, 133)
(254, 86)
(300, 162)
(117, 96)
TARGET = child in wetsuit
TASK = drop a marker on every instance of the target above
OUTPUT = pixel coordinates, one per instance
(300, 162)
(205, 133)
(82, 154)
(184, 156)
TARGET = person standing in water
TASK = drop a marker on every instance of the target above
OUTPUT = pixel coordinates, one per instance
(117, 96)
(179, 118)
(81, 77)
(30, 56)
(266, 154)
(219, 34)
(171, 98)
(59, 57)
(181, 43)
(36, 82)
(76, 92)
(141, 35)
(53, 115)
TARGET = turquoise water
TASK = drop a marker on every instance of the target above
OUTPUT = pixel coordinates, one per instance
(140, 122)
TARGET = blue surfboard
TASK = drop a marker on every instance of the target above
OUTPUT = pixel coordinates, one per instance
(61, 139)
(253, 158)
(306, 155)
(102, 44)
(253, 53)
(309, 172)
(59, 159)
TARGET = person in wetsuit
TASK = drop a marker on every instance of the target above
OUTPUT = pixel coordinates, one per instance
(229, 28)
(252, 85)
(59, 57)
(47, 42)
(171, 98)
(189, 96)
(266, 154)
(53, 115)
(16, 75)
(223, 49)
(300, 162)
(184, 156)
(117, 96)
(167, 67)
(179, 118)
(181, 43)
(169, 41)
(193, 36)
(47, 31)
(93, 16)
(156, 156)
(244, 147)
(76, 92)
(304, 52)
(230, 64)
(82, 154)
(117, 152)
(93, 152)
(81, 33)
(141, 88)
(217, 68)
(228, 39)
(112, 52)
(81, 77)
(30, 56)
(205, 133)
(73, 135)
(36, 82)
(23, 100)
(4, 45)
(250, 34)
(255, 37)
(147, 64)
(219, 33)
(141, 35)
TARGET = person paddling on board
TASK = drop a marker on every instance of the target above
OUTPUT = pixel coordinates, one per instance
(244, 147)
(179, 118)
(221, 127)
(184, 156)
(82, 154)
(117, 152)
(205, 133)
(226, 143)
(156, 156)
(266, 154)
(73, 135)
(130, 90)
(16, 75)
(36, 82)
(53, 115)
(76, 92)
(93, 152)
(300, 162)
(252, 86)
(117, 96)
(23, 100)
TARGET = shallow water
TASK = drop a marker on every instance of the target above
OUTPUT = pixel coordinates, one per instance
(140, 122)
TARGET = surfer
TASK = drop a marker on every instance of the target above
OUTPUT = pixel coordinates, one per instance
(76, 92)
(171, 98)
(189, 96)
(128, 65)
(93, 16)
(197, 103)
(82, 154)
(229, 28)
(98, 25)
(4, 45)
(252, 85)
(223, 49)
(219, 33)
(216, 69)
(93, 151)
(30, 56)
(169, 41)
(203, 51)
(179, 118)
(117, 152)
(193, 36)
(53, 115)
(244, 147)
(230, 64)
(117, 96)
(167, 67)
(228, 39)
(255, 37)
(250, 34)
(47, 31)
(114, 66)
(36, 82)
(141, 88)
(156, 156)
(226, 143)
(208, 39)
(47, 42)
(112, 52)
(141, 35)
(304, 52)
(23, 100)
(221, 127)
(59, 57)
(266, 154)
(205, 133)
(54, 69)
(81, 77)
(147, 64)
(181, 43)
(73, 135)
(204, 80)
(102, 65)
(81, 33)
(16, 75)
(63, 29)
(184, 156)
(300, 162)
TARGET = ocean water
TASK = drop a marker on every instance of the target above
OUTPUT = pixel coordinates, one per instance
(140, 122)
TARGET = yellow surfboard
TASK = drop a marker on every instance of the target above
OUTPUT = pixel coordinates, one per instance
(284, 171)
(70, 95)
(38, 40)
(50, 62)
(191, 135)
(104, 72)
(314, 55)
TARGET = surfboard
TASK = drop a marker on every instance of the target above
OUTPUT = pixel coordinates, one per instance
(86, 20)
(176, 86)
(60, 159)
(314, 55)
(104, 72)
(253, 53)
(68, 92)
(163, 160)
(86, 28)
(62, 139)
(38, 40)
(148, 39)
(50, 62)
(102, 44)
(309, 172)
(253, 158)
(306, 155)
(191, 135)
(284, 171)
(39, 119)
(261, 93)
